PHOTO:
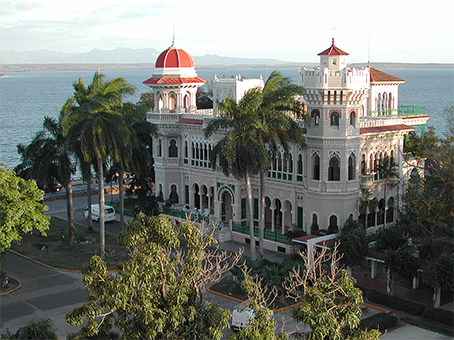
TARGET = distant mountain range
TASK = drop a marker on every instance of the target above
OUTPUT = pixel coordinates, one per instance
(118, 56)
(144, 58)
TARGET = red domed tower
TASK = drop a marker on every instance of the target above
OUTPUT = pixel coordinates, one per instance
(174, 82)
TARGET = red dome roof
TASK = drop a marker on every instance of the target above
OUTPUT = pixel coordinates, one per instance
(174, 57)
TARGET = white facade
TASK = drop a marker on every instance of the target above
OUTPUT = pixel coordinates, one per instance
(315, 188)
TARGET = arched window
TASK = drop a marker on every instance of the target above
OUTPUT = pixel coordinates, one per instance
(390, 101)
(299, 165)
(334, 169)
(172, 102)
(315, 115)
(379, 103)
(351, 167)
(173, 149)
(363, 165)
(353, 118)
(185, 149)
(390, 210)
(317, 167)
(186, 103)
(314, 225)
(159, 146)
(333, 228)
(334, 119)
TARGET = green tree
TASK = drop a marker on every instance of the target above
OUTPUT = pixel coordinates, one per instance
(367, 206)
(98, 123)
(135, 158)
(41, 329)
(240, 153)
(204, 97)
(387, 170)
(47, 159)
(283, 115)
(419, 146)
(263, 325)
(157, 293)
(353, 244)
(439, 273)
(272, 118)
(20, 208)
(331, 302)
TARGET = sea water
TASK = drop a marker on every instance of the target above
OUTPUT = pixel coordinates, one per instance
(26, 97)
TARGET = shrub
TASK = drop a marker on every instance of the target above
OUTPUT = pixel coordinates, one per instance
(439, 315)
(381, 321)
(42, 329)
(407, 306)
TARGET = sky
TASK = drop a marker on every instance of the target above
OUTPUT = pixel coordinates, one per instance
(295, 31)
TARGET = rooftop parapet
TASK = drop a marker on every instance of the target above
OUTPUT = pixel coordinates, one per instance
(348, 78)
(365, 121)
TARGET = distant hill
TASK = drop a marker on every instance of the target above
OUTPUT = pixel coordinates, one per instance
(119, 55)
(144, 58)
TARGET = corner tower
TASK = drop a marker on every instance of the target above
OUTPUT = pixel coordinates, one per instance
(336, 96)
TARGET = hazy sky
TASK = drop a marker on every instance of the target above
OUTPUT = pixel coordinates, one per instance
(398, 30)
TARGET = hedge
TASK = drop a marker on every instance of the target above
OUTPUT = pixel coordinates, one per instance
(382, 321)
(439, 315)
(395, 302)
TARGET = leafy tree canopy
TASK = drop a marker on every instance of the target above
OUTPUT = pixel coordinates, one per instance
(331, 302)
(157, 293)
(20, 208)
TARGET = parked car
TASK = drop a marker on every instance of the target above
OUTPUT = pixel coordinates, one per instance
(56, 188)
(241, 316)
(109, 213)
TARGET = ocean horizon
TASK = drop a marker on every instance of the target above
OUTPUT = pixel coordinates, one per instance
(26, 97)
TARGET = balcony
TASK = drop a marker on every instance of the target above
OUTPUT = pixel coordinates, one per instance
(366, 181)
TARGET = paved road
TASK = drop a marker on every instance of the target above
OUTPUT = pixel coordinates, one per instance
(45, 293)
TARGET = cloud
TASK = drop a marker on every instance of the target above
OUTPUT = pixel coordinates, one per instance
(11, 7)
(137, 12)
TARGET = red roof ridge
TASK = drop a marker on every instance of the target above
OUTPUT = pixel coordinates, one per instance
(385, 128)
(174, 80)
(333, 50)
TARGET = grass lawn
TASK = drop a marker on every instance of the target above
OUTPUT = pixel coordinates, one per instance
(54, 249)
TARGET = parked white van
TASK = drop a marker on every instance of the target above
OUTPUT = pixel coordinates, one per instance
(109, 213)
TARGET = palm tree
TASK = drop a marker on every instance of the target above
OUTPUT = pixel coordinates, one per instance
(47, 159)
(387, 170)
(98, 123)
(136, 156)
(367, 204)
(282, 112)
(240, 153)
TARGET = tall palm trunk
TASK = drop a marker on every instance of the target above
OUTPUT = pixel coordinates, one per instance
(70, 212)
(122, 200)
(250, 215)
(262, 214)
(102, 202)
(90, 220)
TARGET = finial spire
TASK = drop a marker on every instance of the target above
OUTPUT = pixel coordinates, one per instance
(333, 34)
(173, 39)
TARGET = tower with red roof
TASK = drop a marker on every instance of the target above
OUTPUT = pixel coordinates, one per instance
(174, 82)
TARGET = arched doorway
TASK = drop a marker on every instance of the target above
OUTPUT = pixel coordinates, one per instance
(226, 206)
(173, 194)
(196, 196)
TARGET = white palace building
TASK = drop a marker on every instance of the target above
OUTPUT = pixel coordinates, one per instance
(355, 122)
